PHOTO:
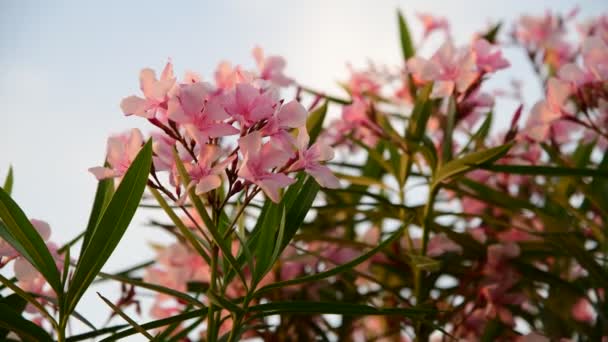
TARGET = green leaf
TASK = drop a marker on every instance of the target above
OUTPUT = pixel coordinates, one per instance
(95, 333)
(446, 152)
(28, 298)
(420, 114)
(490, 36)
(154, 324)
(111, 226)
(298, 209)
(341, 308)
(8, 181)
(103, 195)
(407, 46)
(423, 263)
(25, 329)
(546, 170)
(194, 242)
(17, 304)
(314, 123)
(153, 287)
(268, 242)
(126, 318)
(469, 162)
(339, 269)
(17, 230)
(478, 137)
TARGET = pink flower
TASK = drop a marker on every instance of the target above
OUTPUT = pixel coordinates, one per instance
(582, 311)
(309, 160)
(155, 93)
(291, 115)
(258, 161)
(487, 57)
(200, 112)
(595, 57)
(538, 32)
(546, 111)
(121, 151)
(432, 23)
(271, 68)
(451, 70)
(226, 77)
(249, 105)
(441, 244)
(205, 175)
(363, 83)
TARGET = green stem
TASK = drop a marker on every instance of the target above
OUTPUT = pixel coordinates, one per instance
(419, 274)
(211, 328)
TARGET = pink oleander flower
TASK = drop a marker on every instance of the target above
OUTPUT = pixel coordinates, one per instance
(249, 105)
(290, 115)
(547, 111)
(538, 32)
(363, 83)
(156, 93)
(431, 23)
(310, 159)
(583, 311)
(354, 121)
(595, 57)
(271, 68)
(487, 57)
(440, 244)
(226, 77)
(206, 173)
(200, 112)
(450, 69)
(259, 160)
(596, 26)
(121, 151)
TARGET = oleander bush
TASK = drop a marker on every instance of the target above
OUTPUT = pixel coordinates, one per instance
(394, 212)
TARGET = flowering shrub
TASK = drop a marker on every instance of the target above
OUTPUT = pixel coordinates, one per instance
(408, 217)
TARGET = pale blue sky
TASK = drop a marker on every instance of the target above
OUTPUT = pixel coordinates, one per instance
(65, 65)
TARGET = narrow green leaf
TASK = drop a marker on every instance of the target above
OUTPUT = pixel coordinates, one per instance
(469, 162)
(423, 263)
(156, 324)
(336, 270)
(479, 136)
(268, 239)
(126, 318)
(111, 226)
(25, 329)
(95, 333)
(342, 308)
(546, 170)
(407, 45)
(420, 114)
(8, 181)
(194, 242)
(297, 212)
(490, 36)
(28, 298)
(202, 211)
(446, 147)
(17, 304)
(153, 287)
(314, 123)
(103, 195)
(16, 229)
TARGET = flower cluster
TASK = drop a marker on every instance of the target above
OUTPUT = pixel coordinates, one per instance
(197, 118)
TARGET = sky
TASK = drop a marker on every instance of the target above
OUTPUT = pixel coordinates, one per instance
(65, 66)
